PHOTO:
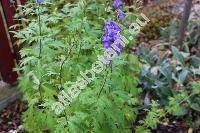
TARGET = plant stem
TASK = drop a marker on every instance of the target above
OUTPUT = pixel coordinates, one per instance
(105, 79)
(61, 68)
(62, 65)
(40, 92)
(40, 31)
(185, 99)
(111, 70)
(40, 43)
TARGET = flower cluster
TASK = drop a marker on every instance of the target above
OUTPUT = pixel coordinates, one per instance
(111, 34)
(117, 4)
(112, 29)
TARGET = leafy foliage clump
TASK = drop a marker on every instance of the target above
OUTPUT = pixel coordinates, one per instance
(59, 40)
(62, 38)
(170, 33)
(171, 77)
(153, 116)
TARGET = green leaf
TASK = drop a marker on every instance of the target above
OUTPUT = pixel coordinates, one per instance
(195, 102)
(183, 75)
(180, 56)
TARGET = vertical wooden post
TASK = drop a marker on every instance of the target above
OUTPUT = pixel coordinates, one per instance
(184, 23)
(6, 57)
(9, 11)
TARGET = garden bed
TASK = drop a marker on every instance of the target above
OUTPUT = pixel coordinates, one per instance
(11, 121)
(78, 76)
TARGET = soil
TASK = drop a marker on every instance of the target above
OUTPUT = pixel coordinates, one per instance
(11, 121)
(10, 117)
(175, 125)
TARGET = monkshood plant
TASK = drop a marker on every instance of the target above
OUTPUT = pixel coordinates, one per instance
(60, 38)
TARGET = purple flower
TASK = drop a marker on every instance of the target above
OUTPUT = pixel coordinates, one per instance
(39, 1)
(107, 42)
(112, 34)
(117, 4)
(112, 25)
(120, 46)
(120, 14)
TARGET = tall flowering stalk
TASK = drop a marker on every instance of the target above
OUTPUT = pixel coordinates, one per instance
(111, 36)
(89, 104)
(112, 29)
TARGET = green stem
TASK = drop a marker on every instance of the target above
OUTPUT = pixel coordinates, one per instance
(105, 79)
(62, 65)
(40, 92)
(185, 99)
(111, 70)
(40, 43)
(40, 31)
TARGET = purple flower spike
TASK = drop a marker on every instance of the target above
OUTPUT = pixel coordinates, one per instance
(117, 4)
(39, 1)
(112, 33)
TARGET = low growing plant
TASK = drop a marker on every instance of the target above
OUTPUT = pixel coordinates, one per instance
(191, 41)
(170, 77)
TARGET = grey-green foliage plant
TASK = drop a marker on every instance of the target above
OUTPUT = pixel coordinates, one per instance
(166, 75)
(61, 38)
(192, 33)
